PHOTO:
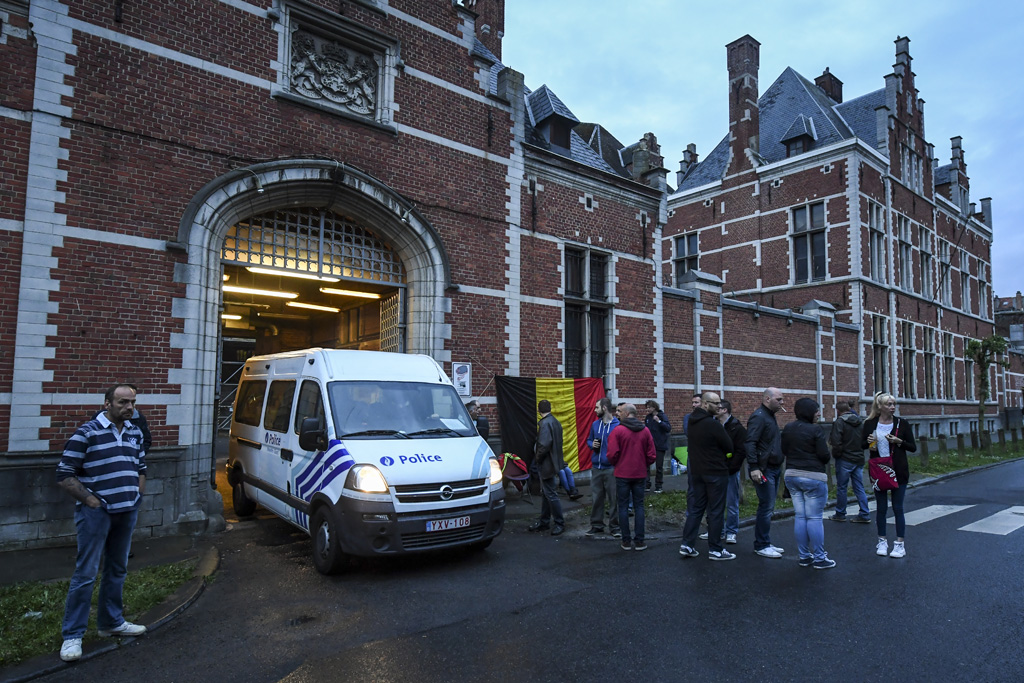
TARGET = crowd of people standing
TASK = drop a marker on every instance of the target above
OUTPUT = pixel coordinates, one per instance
(623, 449)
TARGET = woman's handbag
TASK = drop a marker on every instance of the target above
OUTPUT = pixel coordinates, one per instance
(882, 474)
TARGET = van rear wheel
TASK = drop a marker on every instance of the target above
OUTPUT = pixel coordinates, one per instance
(243, 505)
(327, 555)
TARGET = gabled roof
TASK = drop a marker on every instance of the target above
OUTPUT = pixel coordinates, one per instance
(604, 143)
(859, 114)
(543, 104)
(790, 107)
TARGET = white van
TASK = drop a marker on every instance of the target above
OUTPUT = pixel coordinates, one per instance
(370, 453)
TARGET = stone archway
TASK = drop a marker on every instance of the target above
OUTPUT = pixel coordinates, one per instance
(201, 234)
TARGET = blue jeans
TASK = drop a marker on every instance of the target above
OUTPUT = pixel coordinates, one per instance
(566, 479)
(847, 472)
(550, 506)
(732, 505)
(809, 498)
(707, 492)
(766, 494)
(631, 490)
(882, 510)
(100, 534)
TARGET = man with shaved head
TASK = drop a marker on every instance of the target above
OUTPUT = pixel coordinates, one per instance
(764, 459)
(709, 447)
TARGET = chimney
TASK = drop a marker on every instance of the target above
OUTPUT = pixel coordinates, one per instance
(688, 162)
(743, 61)
(648, 162)
(832, 86)
(1019, 301)
(490, 23)
(986, 211)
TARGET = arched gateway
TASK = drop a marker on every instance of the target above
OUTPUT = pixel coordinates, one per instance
(317, 217)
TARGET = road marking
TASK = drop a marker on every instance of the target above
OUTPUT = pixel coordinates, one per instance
(932, 512)
(1002, 523)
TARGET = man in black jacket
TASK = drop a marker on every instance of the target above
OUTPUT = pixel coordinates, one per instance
(709, 445)
(738, 433)
(658, 425)
(548, 461)
(849, 456)
(764, 458)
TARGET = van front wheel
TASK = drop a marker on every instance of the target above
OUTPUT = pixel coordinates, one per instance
(327, 555)
(243, 505)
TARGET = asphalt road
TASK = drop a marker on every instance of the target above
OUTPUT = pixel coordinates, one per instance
(573, 608)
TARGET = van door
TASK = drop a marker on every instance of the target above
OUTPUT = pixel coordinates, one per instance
(246, 433)
(276, 453)
(306, 477)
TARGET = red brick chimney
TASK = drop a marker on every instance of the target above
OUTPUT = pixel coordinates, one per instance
(832, 86)
(743, 60)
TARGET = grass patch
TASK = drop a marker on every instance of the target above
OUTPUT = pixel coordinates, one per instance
(31, 612)
(952, 461)
(675, 501)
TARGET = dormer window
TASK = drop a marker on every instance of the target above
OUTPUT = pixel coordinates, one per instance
(559, 132)
(800, 136)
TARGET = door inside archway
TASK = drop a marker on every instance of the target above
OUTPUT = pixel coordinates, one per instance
(306, 277)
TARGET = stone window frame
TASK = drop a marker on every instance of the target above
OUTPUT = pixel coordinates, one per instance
(806, 234)
(386, 51)
(588, 311)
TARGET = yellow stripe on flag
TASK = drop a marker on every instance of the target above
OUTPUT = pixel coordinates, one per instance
(562, 394)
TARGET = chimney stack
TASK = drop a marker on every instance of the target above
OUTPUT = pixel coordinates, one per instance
(986, 211)
(832, 86)
(688, 162)
(743, 60)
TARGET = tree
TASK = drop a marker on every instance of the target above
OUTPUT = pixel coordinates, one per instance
(984, 353)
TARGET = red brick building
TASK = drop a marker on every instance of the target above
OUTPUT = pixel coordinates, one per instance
(184, 186)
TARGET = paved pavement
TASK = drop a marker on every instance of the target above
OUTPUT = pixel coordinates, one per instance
(56, 563)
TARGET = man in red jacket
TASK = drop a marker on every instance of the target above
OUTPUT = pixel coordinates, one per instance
(631, 451)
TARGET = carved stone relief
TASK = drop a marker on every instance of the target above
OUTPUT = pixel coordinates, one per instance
(327, 70)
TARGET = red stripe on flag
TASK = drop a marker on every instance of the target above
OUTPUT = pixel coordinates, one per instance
(587, 392)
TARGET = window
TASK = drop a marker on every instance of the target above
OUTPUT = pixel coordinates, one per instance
(587, 313)
(909, 360)
(954, 428)
(927, 238)
(965, 282)
(334, 64)
(311, 404)
(945, 286)
(249, 405)
(279, 405)
(933, 430)
(880, 351)
(929, 363)
(879, 262)
(984, 292)
(796, 146)
(913, 169)
(686, 255)
(809, 242)
(905, 252)
(948, 364)
(969, 378)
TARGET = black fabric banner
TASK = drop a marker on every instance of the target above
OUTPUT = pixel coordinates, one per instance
(517, 415)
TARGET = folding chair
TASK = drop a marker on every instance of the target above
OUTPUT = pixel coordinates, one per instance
(515, 473)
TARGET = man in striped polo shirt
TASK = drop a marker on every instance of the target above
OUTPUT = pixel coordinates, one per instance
(103, 468)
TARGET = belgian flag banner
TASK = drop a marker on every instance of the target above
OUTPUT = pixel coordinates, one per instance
(572, 404)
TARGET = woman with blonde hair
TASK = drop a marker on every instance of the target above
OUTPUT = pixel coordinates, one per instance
(886, 435)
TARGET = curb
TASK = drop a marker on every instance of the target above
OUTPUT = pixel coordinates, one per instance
(156, 618)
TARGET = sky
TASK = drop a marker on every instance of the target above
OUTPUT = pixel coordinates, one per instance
(638, 66)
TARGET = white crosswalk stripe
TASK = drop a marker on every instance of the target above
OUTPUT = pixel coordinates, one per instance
(932, 512)
(1001, 523)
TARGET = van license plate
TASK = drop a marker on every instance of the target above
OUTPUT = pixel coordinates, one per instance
(446, 524)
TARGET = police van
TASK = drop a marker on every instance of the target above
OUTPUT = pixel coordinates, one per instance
(370, 453)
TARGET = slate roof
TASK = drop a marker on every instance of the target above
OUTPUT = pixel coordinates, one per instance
(544, 103)
(792, 106)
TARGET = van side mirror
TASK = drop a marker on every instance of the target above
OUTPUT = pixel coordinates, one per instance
(312, 435)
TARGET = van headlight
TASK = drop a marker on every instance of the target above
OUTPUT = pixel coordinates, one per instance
(496, 474)
(368, 479)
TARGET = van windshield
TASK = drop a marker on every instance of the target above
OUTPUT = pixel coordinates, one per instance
(398, 410)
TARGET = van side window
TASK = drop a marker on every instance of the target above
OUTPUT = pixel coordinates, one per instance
(311, 404)
(250, 402)
(279, 405)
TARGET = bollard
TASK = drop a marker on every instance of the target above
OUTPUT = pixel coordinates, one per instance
(923, 452)
(960, 445)
(943, 449)
(974, 440)
(1002, 440)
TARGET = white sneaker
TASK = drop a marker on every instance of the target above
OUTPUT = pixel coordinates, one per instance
(721, 555)
(71, 650)
(730, 539)
(882, 549)
(703, 536)
(898, 550)
(778, 549)
(126, 628)
(769, 552)
(687, 551)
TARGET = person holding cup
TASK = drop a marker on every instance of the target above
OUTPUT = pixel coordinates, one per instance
(602, 472)
(885, 435)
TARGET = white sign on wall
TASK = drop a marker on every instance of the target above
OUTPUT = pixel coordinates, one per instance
(462, 376)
